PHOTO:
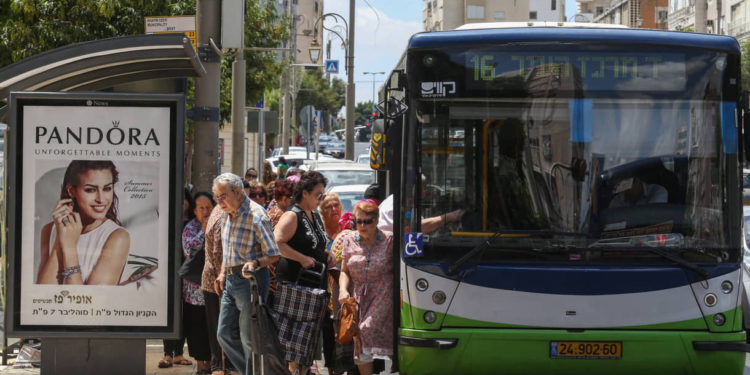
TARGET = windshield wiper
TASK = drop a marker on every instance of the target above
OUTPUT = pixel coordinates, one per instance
(654, 243)
(479, 249)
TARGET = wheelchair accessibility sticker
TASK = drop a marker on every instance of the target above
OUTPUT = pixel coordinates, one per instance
(413, 245)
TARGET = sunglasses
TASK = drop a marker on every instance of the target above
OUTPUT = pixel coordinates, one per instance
(321, 196)
(251, 175)
(256, 195)
(366, 221)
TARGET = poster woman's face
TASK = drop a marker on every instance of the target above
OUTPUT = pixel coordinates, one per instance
(94, 194)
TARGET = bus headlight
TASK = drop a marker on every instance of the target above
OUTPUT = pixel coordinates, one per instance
(422, 285)
(430, 317)
(727, 287)
(438, 297)
(710, 299)
(719, 319)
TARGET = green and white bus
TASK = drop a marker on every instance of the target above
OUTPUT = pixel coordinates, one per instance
(598, 170)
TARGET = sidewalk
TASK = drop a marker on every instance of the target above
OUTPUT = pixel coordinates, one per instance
(154, 352)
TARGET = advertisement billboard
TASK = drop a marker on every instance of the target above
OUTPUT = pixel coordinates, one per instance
(95, 202)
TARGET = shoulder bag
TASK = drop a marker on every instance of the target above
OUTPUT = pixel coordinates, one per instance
(349, 324)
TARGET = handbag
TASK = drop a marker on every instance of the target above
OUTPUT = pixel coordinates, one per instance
(349, 323)
(192, 268)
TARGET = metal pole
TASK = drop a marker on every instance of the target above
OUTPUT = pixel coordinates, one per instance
(700, 16)
(317, 136)
(261, 138)
(206, 156)
(238, 114)
(349, 154)
(286, 84)
(309, 136)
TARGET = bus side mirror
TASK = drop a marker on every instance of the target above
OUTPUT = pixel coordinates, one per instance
(378, 146)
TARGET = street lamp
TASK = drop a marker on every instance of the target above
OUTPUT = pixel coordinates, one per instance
(349, 47)
(314, 51)
(374, 98)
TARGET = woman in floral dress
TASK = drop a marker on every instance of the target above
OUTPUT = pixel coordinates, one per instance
(368, 267)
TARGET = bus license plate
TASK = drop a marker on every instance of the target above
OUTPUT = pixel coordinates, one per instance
(585, 349)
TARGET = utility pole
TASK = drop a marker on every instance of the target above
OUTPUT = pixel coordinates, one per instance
(239, 127)
(700, 16)
(287, 81)
(206, 111)
(349, 150)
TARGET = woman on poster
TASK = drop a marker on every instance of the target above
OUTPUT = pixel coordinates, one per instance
(85, 242)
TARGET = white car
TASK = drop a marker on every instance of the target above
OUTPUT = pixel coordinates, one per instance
(363, 159)
(300, 158)
(349, 195)
(292, 150)
(343, 173)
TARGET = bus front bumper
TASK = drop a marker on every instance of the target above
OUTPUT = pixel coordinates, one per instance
(527, 351)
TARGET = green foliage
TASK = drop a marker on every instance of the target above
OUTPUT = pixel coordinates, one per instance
(29, 27)
(362, 112)
(318, 92)
(687, 29)
(745, 64)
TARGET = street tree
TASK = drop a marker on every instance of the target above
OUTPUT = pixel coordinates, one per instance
(317, 91)
(30, 27)
(362, 112)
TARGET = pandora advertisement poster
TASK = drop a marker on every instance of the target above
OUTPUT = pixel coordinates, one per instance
(95, 215)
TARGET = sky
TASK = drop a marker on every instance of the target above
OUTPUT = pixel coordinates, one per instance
(382, 30)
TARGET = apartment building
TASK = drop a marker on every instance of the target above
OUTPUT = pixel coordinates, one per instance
(739, 18)
(588, 10)
(449, 14)
(729, 17)
(644, 14)
(307, 12)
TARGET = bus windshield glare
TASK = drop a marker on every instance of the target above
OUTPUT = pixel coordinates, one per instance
(573, 154)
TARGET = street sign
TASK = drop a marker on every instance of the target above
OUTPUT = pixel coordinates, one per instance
(317, 118)
(259, 105)
(172, 24)
(332, 66)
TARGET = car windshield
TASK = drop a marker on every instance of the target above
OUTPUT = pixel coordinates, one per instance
(348, 177)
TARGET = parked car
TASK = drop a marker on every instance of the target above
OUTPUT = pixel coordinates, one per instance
(335, 149)
(363, 159)
(343, 173)
(349, 195)
(292, 150)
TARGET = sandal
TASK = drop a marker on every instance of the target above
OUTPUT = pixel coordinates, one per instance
(182, 361)
(166, 362)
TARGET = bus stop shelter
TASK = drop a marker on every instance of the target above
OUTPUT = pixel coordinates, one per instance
(99, 65)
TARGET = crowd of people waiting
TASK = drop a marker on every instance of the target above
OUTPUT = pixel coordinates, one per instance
(268, 227)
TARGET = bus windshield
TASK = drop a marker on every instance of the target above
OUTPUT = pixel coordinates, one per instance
(557, 164)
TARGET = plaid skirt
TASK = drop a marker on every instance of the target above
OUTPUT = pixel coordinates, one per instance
(299, 312)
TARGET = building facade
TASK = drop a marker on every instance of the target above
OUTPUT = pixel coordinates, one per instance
(307, 13)
(588, 10)
(644, 14)
(449, 14)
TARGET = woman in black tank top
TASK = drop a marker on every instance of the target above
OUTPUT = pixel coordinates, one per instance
(302, 242)
(299, 233)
